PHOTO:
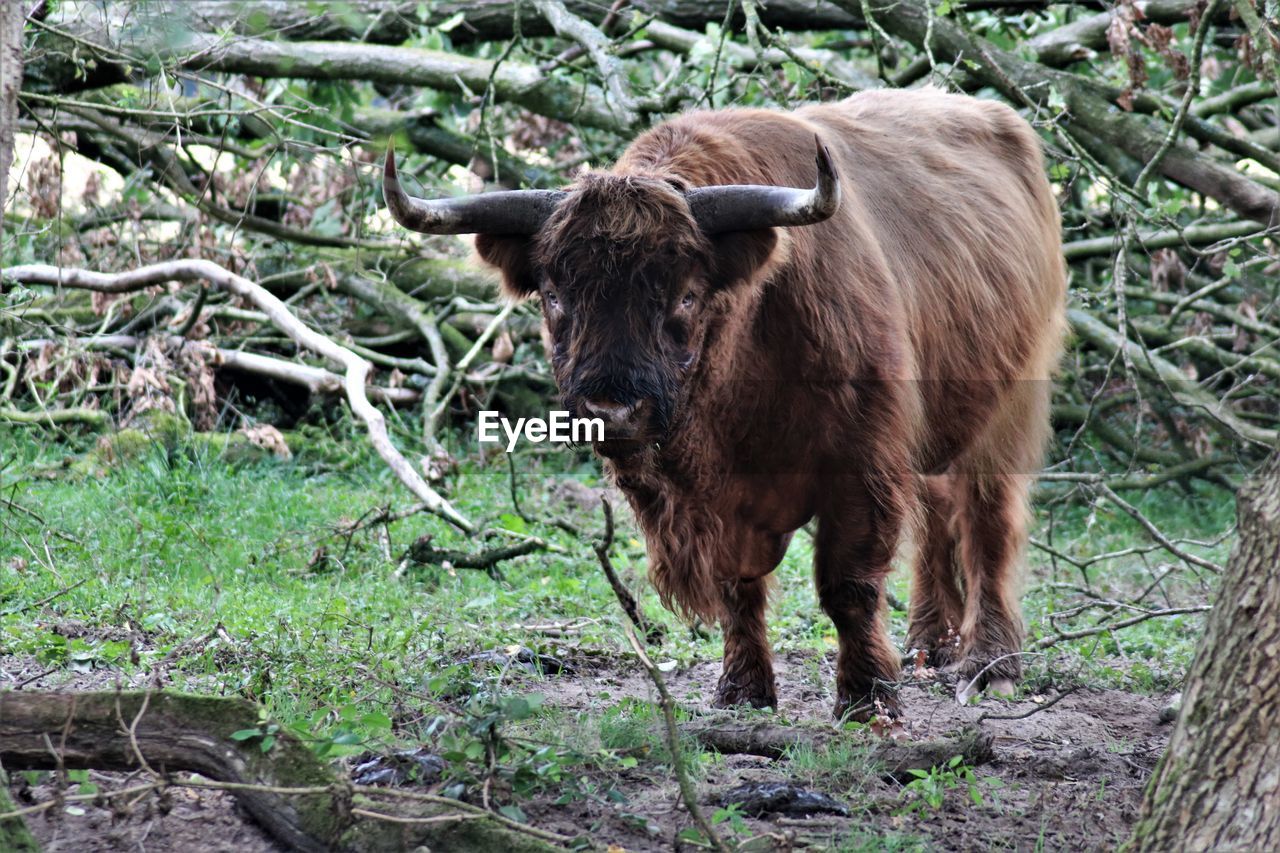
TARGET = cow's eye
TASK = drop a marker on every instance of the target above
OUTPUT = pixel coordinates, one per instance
(688, 300)
(550, 298)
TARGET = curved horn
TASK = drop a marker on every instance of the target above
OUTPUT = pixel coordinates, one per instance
(504, 213)
(746, 207)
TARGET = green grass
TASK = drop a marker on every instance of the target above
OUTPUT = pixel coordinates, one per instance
(233, 578)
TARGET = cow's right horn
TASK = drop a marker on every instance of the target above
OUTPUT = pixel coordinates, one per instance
(501, 213)
(748, 207)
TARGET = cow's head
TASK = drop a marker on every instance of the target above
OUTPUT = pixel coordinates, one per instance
(632, 272)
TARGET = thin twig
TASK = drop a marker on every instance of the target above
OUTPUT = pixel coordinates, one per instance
(652, 633)
(687, 792)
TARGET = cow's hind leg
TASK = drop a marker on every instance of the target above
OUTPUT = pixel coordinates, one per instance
(747, 676)
(937, 608)
(992, 519)
(992, 483)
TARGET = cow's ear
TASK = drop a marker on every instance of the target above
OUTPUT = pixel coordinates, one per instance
(744, 256)
(513, 257)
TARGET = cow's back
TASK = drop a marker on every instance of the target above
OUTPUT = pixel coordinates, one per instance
(947, 241)
(954, 188)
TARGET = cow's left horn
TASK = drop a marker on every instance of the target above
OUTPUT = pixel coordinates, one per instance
(503, 213)
(751, 207)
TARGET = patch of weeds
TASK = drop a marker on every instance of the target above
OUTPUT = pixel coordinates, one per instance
(928, 790)
(729, 823)
(485, 749)
(839, 766)
(889, 841)
(356, 731)
(265, 734)
(635, 728)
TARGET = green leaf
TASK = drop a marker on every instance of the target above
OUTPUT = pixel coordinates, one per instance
(376, 720)
(451, 23)
(246, 734)
(512, 522)
(512, 812)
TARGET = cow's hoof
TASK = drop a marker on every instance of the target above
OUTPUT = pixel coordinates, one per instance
(970, 688)
(867, 707)
(993, 669)
(1003, 688)
(942, 651)
(744, 696)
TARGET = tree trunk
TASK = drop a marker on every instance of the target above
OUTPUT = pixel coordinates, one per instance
(1218, 785)
(11, 19)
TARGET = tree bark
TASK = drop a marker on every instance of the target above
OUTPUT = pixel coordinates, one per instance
(1218, 785)
(11, 20)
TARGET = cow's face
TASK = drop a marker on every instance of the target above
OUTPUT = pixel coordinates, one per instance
(631, 290)
(635, 274)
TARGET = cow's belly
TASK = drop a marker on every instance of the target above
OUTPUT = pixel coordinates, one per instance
(956, 412)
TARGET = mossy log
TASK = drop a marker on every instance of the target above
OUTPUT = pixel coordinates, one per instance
(895, 758)
(14, 835)
(175, 732)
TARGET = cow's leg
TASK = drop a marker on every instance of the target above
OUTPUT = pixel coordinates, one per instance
(747, 676)
(937, 607)
(857, 534)
(992, 521)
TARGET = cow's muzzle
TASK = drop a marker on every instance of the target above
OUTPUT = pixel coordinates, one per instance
(626, 425)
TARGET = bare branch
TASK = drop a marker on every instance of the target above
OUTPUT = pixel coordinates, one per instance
(357, 368)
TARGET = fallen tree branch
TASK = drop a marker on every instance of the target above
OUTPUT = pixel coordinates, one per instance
(92, 417)
(317, 380)
(599, 47)
(1195, 235)
(1106, 627)
(286, 789)
(1081, 39)
(1156, 368)
(896, 758)
(357, 368)
(486, 561)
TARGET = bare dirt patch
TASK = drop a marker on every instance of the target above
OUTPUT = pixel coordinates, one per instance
(1070, 775)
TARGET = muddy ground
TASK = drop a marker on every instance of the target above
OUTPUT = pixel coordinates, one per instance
(1070, 775)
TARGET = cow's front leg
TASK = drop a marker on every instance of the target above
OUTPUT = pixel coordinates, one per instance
(747, 675)
(856, 538)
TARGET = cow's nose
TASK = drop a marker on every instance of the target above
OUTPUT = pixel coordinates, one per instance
(609, 411)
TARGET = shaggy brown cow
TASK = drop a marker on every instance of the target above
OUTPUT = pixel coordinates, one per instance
(885, 365)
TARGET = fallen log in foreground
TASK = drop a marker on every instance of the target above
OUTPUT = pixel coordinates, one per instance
(284, 786)
(896, 758)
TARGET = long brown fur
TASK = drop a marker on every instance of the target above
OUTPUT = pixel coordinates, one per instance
(888, 368)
